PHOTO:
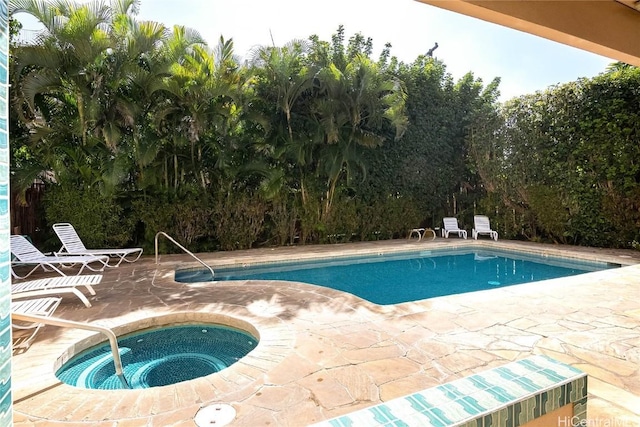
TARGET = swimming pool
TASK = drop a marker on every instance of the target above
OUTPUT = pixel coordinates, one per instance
(397, 278)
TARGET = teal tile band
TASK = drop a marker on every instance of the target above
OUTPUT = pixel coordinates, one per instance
(580, 412)
(507, 396)
(5, 281)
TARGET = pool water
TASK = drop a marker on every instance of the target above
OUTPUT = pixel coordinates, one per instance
(393, 279)
(159, 357)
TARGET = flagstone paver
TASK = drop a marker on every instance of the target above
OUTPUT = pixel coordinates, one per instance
(324, 353)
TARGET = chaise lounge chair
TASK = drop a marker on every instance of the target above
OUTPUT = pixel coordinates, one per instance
(481, 225)
(72, 245)
(56, 286)
(27, 254)
(44, 307)
(450, 225)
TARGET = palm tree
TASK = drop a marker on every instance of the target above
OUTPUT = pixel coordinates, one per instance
(207, 93)
(92, 82)
(147, 66)
(72, 85)
(353, 107)
(283, 79)
(619, 66)
(333, 104)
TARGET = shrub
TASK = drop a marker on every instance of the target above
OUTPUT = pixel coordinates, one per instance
(342, 222)
(282, 219)
(155, 214)
(396, 216)
(185, 217)
(311, 225)
(99, 220)
(239, 220)
(546, 204)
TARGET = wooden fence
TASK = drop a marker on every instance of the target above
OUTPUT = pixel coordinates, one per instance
(26, 217)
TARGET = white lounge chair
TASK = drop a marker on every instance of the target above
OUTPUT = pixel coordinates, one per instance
(56, 286)
(27, 254)
(481, 225)
(44, 307)
(450, 225)
(72, 245)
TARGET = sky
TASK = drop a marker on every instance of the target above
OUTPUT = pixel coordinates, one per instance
(525, 63)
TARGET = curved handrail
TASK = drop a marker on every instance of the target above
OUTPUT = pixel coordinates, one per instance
(113, 340)
(181, 247)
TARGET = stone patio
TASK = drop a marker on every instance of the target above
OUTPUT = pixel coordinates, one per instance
(323, 353)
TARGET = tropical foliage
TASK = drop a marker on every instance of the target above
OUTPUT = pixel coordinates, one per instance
(562, 164)
(137, 128)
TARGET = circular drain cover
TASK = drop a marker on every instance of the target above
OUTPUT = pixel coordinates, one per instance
(218, 414)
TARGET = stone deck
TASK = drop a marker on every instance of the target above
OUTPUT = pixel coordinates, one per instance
(324, 353)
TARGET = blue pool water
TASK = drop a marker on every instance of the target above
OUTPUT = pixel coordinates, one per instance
(159, 357)
(393, 279)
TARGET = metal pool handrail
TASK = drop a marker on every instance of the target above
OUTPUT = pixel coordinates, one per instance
(113, 340)
(183, 248)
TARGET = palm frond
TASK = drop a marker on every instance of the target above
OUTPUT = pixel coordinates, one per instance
(37, 83)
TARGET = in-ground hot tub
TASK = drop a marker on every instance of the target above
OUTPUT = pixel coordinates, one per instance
(160, 355)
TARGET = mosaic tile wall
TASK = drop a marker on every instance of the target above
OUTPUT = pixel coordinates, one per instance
(5, 280)
(507, 396)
